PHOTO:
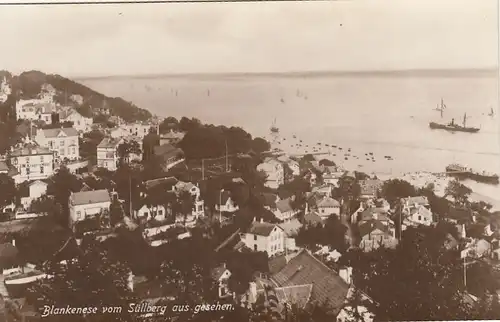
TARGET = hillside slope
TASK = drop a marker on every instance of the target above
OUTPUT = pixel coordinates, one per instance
(34, 84)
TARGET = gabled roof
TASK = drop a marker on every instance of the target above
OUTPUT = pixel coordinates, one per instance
(166, 150)
(284, 205)
(262, 228)
(328, 203)
(52, 133)
(327, 286)
(370, 226)
(298, 295)
(312, 218)
(89, 197)
(291, 227)
(372, 213)
(218, 272)
(419, 200)
(3, 167)
(30, 150)
(109, 143)
(184, 186)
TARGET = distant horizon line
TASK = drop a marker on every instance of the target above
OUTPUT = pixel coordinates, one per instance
(487, 71)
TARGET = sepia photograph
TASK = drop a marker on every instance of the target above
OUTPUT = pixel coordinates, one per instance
(250, 161)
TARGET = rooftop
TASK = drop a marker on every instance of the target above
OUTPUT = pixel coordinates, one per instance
(327, 286)
(284, 205)
(89, 197)
(370, 186)
(30, 150)
(52, 133)
(372, 225)
(109, 143)
(312, 218)
(168, 181)
(261, 228)
(328, 203)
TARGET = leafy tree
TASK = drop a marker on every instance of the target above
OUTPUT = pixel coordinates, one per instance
(395, 189)
(419, 280)
(349, 190)
(115, 213)
(127, 148)
(259, 145)
(459, 192)
(8, 192)
(168, 124)
(287, 173)
(185, 204)
(62, 184)
(186, 124)
(91, 279)
(327, 163)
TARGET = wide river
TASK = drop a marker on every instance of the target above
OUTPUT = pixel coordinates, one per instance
(379, 114)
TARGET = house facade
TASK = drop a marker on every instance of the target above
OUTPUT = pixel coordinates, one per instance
(35, 110)
(284, 210)
(35, 190)
(274, 171)
(62, 141)
(87, 204)
(226, 203)
(32, 163)
(327, 207)
(265, 237)
(107, 153)
(418, 215)
(148, 212)
(221, 276)
(80, 122)
(137, 129)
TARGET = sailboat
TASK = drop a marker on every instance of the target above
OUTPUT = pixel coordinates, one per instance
(491, 113)
(274, 128)
(452, 126)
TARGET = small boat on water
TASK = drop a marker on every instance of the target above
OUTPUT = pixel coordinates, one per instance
(462, 172)
(274, 128)
(491, 113)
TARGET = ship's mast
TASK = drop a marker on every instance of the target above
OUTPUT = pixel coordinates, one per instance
(465, 118)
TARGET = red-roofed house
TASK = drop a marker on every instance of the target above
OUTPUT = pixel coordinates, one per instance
(265, 237)
(324, 286)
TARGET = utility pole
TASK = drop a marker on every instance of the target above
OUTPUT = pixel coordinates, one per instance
(203, 169)
(227, 169)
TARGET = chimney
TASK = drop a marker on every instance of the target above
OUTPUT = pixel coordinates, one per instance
(224, 265)
(375, 216)
(254, 219)
(261, 220)
(14, 242)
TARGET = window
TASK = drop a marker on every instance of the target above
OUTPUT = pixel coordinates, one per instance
(79, 215)
(41, 158)
(255, 247)
(160, 212)
(146, 213)
(41, 169)
(61, 151)
(61, 143)
(73, 151)
(419, 218)
(254, 237)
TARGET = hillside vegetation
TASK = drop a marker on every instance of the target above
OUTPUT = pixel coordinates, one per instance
(29, 85)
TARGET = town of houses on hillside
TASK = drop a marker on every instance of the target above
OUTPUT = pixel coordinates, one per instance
(296, 273)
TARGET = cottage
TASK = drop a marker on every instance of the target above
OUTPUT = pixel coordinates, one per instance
(309, 280)
(419, 215)
(32, 191)
(221, 275)
(149, 212)
(168, 155)
(374, 234)
(80, 122)
(88, 204)
(327, 207)
(264, 237)
(226, 202)
(284, 209)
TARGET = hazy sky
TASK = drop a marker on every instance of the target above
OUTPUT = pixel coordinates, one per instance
(97, 40)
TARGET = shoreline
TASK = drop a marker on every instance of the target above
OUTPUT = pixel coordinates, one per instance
(418, 179)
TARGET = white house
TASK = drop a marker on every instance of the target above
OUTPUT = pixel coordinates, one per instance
(36, 189)
(226, 203)
(284, 210)
(413, 202)
(87, 204)
(292, 164)
(62, 141)
(35, 109)
(119, 132)
(181, 186)
(327, 207)
(265, 237)
(149, 212)
(221, 275)
(32, 163)
(137, 129)
(107, 153)
(418, 216)
(274, 171)
(80, 122)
